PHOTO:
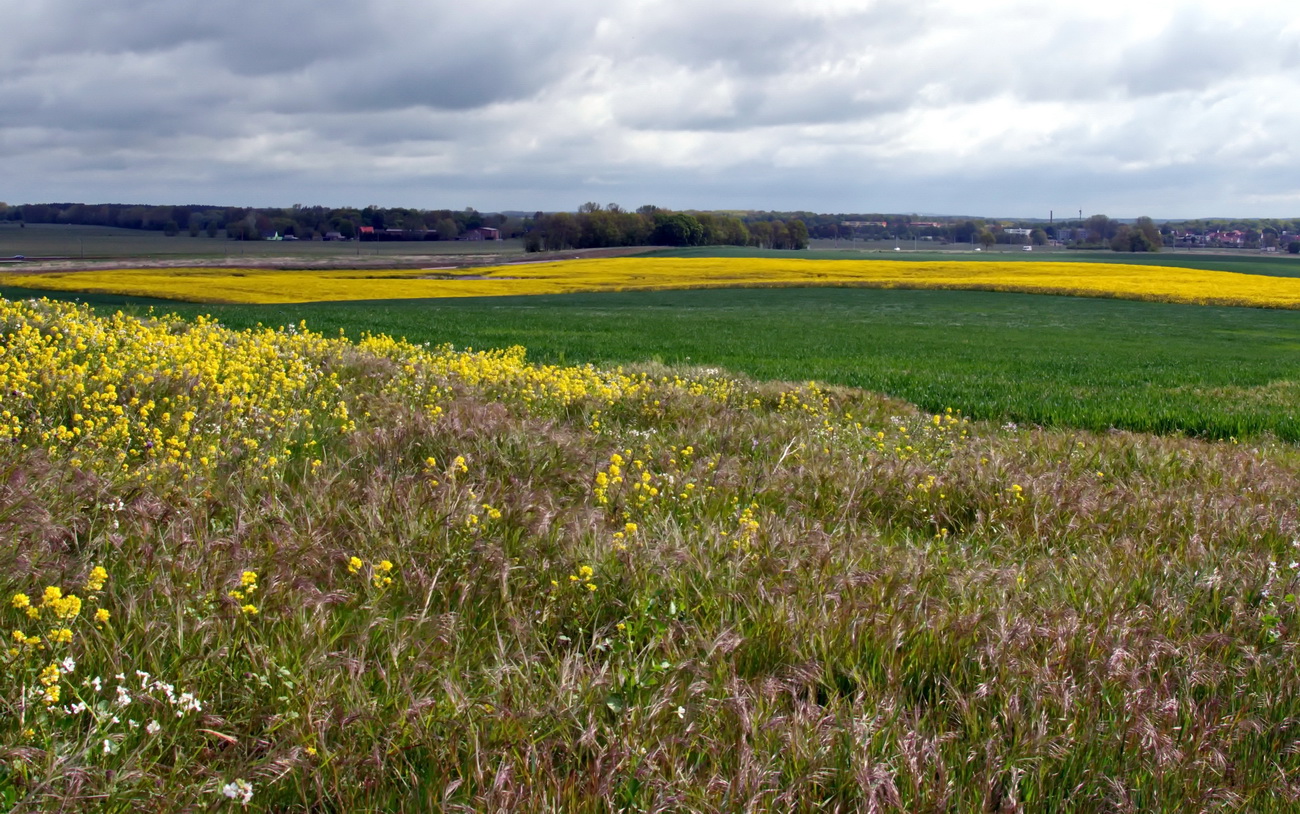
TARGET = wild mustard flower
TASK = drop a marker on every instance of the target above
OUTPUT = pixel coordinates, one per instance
(383, 574)
(355, 564)
(101, 616)
(98, 576)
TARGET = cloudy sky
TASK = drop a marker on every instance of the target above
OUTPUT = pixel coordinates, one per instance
(1002, 107)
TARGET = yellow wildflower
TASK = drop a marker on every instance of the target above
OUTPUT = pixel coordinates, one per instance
(98, 576)
(21, 601)
(101, 616)
(355, 564)
(250, 610)
(60, 635)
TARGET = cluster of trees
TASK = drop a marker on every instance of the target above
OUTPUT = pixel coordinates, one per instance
(595, 226)
(247, 223)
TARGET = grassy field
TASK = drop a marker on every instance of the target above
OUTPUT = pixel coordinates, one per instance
(289, 573)
(1060, 361)
(109, 243)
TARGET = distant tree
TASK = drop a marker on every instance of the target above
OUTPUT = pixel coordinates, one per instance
(1293, 247)
(599, 229)
(986, 238)
(798, 234)
(1134, 239)
(1038, 237)
(214, 226)
(588, 207)
(446, 229)
(171, 228)
(676, 229)
(1101, 228)
(560, 231)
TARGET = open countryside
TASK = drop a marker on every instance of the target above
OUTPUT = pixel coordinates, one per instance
(701, 528)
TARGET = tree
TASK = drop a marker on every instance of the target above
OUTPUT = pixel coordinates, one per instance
(1038, 237)
(798, 234)
(1101, 228)
(446, 229)
(1130, 239)
(677, 229)
(1293, 247)
(986, 238)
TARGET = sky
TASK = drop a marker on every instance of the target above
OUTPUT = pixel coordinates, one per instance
(1011, 108)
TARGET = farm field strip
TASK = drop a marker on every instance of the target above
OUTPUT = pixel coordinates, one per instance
(262, 286)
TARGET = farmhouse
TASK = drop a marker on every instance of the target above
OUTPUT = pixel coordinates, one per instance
(482, 233)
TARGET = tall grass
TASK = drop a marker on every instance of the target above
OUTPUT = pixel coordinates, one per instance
(546, 589)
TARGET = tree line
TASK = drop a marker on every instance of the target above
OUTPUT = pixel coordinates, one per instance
(597, 226)
(252, 223)
(594, 226)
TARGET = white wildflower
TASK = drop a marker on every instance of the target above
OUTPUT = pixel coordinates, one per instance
(152, 727)
(240, 790)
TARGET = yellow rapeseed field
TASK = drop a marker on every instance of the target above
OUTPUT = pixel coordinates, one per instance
(632, 274)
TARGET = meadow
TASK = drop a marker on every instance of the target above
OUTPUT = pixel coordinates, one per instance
(279, 570)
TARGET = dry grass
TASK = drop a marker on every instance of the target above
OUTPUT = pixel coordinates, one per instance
(775, 597)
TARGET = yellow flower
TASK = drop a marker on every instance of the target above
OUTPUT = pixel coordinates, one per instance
(101, 616)
(52, 594)
(20, 601)
(60, 635)
(248, 578)
(355, 564)
(66, 607)
(251, 610)
(98, 576)
(385, 566)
